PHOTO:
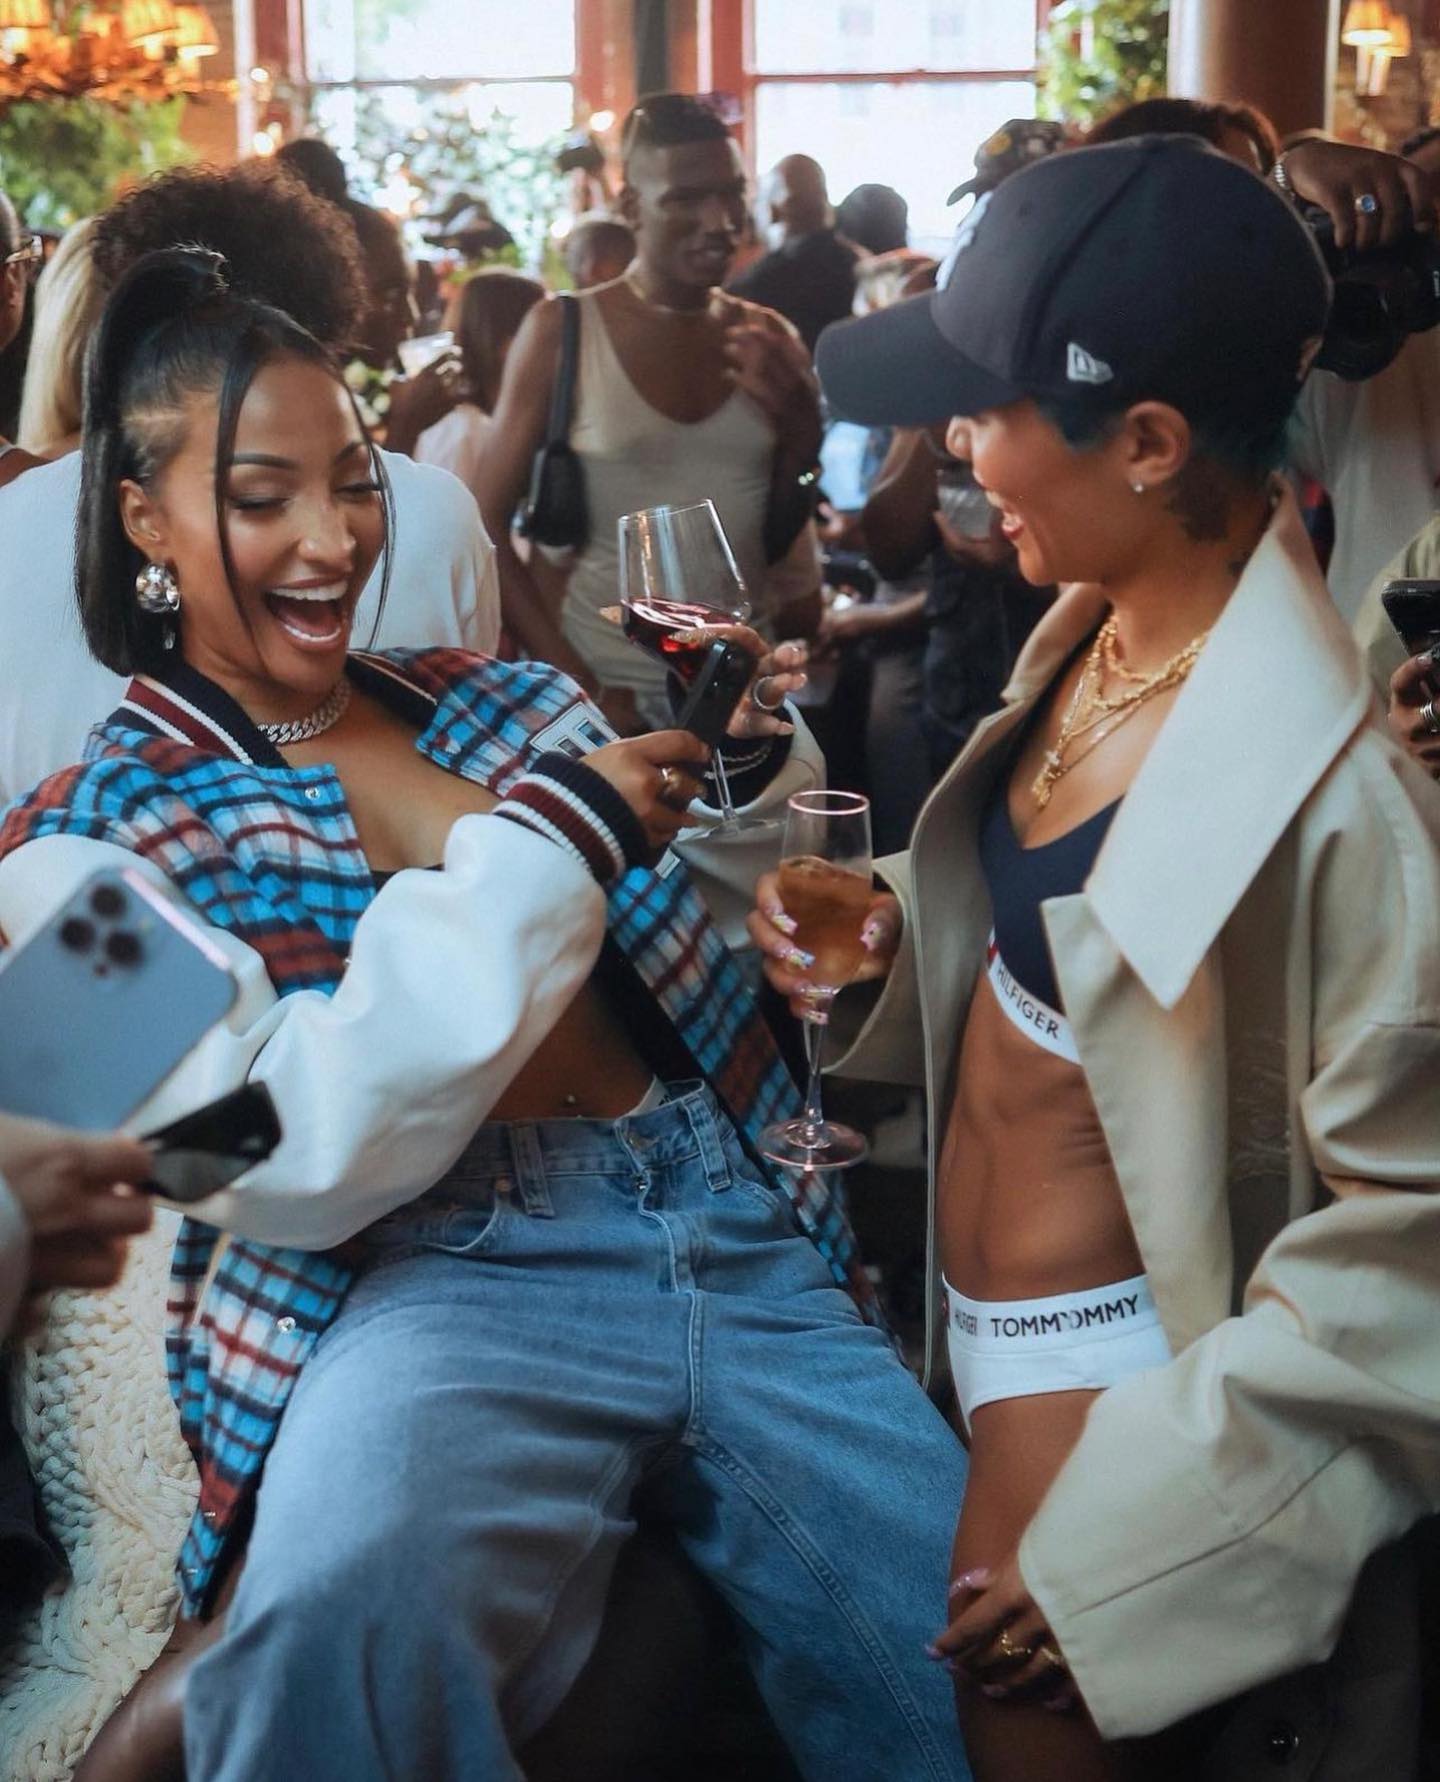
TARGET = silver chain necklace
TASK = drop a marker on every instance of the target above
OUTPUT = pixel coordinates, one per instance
(323, 718)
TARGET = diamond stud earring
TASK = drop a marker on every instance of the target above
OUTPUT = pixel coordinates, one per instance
(157, 591)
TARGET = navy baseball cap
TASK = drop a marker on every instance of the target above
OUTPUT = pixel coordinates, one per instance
(1151, 269)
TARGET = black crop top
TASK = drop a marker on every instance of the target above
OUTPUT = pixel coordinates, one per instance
(1020, 879)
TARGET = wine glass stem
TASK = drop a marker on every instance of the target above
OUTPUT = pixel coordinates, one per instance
(814, 1053)
(722, 787)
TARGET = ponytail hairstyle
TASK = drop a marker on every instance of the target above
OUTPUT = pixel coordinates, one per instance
(172, 330)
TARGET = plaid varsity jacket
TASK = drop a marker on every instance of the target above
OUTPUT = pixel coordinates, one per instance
(179, 775)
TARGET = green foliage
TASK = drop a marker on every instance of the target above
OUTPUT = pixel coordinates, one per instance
(448, 154)
(1098, 55)
(63, 159)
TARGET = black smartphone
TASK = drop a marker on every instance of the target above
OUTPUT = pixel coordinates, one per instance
(1413, 608)
(711, 698)
(209, 1149)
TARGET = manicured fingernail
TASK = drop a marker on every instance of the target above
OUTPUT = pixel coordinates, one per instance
(1056, 1707)
(933, 1651)
(800, 959)
(870, 939)
(975, 1579)
(783, 730)
(995, 1692)
(786, 924)
(954, 1666)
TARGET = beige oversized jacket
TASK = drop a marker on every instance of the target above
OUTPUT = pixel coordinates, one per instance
(1253, 976)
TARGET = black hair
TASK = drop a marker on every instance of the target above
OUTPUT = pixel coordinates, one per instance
(172, 329)
(281, 244)
(317, 165)
(668, 120)
(1210, 119)
(1225, 451)
(875, 218)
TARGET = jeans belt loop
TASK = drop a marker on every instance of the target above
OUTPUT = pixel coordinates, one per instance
(699, 1111)
(528, 1161)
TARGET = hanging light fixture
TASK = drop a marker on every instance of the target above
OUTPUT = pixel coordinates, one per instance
(195, 33)
(148, 24)
(25, 15)
(1367, 24)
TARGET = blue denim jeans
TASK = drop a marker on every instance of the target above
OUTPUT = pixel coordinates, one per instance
(581, 1307)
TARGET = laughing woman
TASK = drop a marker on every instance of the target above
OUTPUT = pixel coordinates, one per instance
(515, 1255)
(1170, 922)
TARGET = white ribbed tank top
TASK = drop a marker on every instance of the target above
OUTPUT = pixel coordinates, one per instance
(636, 457)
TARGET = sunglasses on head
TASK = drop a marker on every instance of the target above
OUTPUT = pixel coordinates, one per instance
(30, 254)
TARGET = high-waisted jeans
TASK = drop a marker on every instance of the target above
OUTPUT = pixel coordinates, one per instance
(581, 1307)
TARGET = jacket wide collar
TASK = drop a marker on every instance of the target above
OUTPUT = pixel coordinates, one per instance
(188, 706)
(1276, 694)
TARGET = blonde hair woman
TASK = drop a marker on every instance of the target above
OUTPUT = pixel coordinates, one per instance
(68, 299)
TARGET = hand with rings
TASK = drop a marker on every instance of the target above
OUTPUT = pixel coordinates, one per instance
(1413, 716)
(779, 673)
(999, 1642)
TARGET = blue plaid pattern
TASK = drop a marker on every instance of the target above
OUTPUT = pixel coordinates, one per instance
(270, 853)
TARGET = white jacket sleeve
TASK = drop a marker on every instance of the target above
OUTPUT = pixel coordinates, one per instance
(1216, 1512)
(453, 980)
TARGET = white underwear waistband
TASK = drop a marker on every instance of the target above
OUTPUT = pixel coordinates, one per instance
(1046, 1026)
(1059, 1321)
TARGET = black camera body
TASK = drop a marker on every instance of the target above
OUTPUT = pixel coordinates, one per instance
(1382, 297)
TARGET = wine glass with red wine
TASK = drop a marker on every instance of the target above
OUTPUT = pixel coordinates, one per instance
(678, 575)
(825, 888)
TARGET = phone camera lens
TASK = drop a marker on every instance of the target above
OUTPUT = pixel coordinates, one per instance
(77, 934)
(122, 947)
(107, 902)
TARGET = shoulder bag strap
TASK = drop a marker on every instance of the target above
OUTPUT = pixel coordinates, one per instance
(562, 397)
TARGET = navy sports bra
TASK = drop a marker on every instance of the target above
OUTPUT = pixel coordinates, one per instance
(1020, 879)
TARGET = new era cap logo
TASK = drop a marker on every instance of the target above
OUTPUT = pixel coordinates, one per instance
(1085, 368)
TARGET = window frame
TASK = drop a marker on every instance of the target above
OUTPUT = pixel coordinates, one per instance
(726, 44)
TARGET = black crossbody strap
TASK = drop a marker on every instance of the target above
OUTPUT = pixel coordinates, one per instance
(562, 397)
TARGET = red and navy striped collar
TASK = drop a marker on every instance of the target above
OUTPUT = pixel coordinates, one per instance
(188, 706)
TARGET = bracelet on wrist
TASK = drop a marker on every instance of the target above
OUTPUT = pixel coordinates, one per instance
(1281, 176)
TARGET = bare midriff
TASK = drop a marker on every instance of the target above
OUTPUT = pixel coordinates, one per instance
(1028, 1200)
(403, 806)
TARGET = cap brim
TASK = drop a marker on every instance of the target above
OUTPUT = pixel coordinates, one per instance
(971, 185)
(896, 369)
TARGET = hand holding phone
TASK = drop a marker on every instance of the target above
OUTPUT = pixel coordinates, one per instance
(711, 697)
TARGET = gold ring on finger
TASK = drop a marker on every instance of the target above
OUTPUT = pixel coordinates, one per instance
(669, 784)
(1052, 1657)
(1009, 1648)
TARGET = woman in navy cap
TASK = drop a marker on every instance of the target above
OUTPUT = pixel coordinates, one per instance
(1163, 951)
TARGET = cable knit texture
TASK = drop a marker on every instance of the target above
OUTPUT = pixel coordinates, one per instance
(119, 1487)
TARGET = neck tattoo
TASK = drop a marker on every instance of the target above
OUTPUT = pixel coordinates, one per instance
(324, 717)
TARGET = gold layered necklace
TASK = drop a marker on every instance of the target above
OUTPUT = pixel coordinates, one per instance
(1093, 715)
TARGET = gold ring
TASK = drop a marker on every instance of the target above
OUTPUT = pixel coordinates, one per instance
(1009, 1649)
(1053, 1658)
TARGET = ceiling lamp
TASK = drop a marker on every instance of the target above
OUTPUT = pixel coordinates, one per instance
(148, 24)
(25, 15)
(1368, 25)
(195, 33)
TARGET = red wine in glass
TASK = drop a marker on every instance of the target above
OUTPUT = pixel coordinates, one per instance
(653, 623)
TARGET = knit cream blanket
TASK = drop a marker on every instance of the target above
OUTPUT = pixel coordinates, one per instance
(119, 1486)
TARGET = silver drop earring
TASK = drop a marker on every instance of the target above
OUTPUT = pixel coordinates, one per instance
(157, 592)
(1139, 488)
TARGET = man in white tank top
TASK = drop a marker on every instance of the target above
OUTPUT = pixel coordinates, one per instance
(683, 393)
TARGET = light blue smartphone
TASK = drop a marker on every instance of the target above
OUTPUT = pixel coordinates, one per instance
(100, 1005)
